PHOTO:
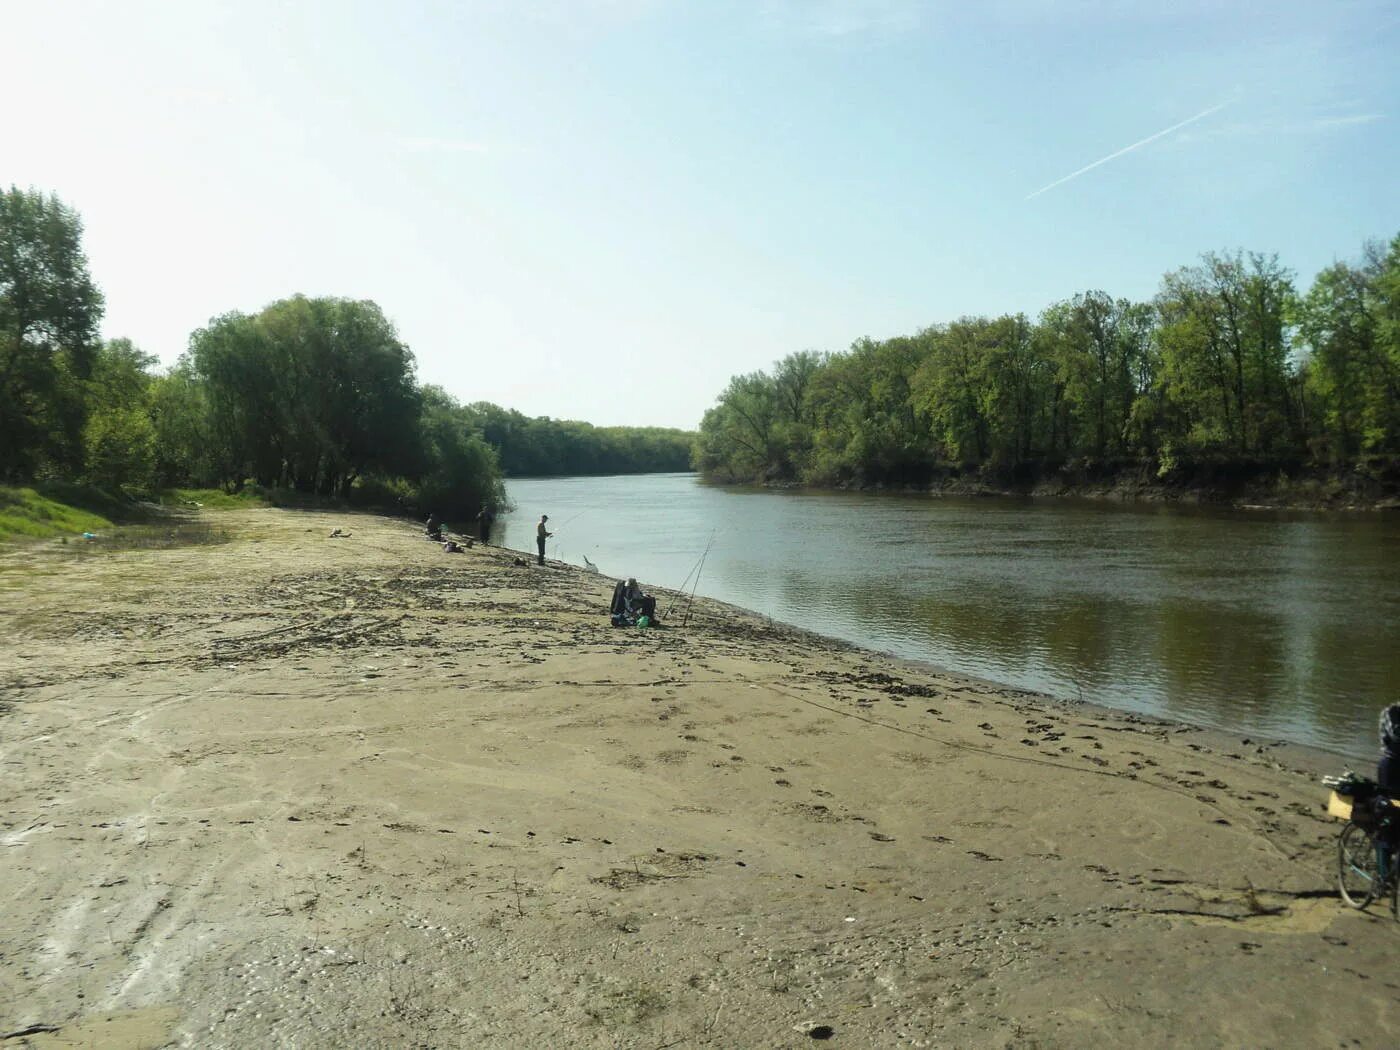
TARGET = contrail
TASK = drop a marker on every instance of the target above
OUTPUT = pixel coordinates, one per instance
(1128, 149)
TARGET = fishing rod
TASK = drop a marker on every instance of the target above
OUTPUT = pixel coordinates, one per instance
(685, 582)
(577, 516)
(558, 551)
(700, 569)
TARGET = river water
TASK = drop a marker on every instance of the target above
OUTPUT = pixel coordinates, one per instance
(1282, 625)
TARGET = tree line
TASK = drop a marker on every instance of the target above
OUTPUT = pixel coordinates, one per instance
(1230, 366)
(317, 395)
(533, 446)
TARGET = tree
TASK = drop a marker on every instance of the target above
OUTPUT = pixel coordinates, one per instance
(120, 436)
(1099, 346)
(1353, 363)
(187, 450)
(308, 393)
(868, 426)
(1209, 373)
(1018, 379)
(955, 389)
(526, 446)
(1225, 354)
(458, 473)
(49, 313)
(736, 436)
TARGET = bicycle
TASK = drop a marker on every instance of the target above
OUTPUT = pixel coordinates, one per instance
(1368, 849)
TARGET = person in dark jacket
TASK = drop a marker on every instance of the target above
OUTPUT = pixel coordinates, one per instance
(639, 603)
(1388, 769)
(542, 533)
(485, 518)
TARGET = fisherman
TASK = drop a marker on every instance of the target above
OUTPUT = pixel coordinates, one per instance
(434, 528)
(541, 534)
(485, 518)
(638, 602)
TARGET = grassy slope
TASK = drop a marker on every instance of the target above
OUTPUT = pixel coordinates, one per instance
(53, 509)
(27, 513)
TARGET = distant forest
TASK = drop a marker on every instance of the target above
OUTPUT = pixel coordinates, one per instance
(315, 395)
(1229, 369)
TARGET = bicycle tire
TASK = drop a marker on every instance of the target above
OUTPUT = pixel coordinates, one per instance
(1357, 870)
(1394, 888)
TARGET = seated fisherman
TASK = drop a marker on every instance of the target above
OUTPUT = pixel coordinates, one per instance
(434, 528)
(638, 602)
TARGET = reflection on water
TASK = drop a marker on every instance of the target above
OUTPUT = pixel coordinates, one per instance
(1276, 624)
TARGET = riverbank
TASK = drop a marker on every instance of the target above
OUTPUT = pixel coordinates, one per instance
(287, 787)
(1240, 489)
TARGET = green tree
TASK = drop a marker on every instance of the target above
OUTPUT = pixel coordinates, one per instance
(187, 448)
(458, 473)
(1209, 373)
(1353, 362)
(49, 313)
(869, 427)
(1019, 377)
(1225, 355)
(119, 435)
(1100, 350)
(308, 393)
(538, 446)
(1383, 378)
(955, 387)
(738, 439)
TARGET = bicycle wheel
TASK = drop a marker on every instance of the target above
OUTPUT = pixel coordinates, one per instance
(1357, 872)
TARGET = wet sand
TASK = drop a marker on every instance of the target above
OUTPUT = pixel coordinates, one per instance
(291, 790)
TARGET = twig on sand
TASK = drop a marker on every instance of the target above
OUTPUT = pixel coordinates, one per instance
(34, 1029)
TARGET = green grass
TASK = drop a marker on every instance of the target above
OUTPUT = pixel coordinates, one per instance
(213, 499)
(251, 496)
(62, 509)
(58, 508)
(28, 513)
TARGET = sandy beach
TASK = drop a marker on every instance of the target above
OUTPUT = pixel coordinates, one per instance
(295, 790)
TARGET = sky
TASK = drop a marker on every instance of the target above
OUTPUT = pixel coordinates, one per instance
(603, 209)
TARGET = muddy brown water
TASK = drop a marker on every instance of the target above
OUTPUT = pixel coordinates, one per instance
(1279, 624)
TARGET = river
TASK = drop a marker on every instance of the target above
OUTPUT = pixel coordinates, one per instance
(1276, 624)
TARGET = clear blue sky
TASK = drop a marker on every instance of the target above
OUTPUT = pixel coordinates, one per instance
(602, 209)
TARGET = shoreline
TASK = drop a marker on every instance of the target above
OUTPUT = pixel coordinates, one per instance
(1314, 759)
(284, 787)
(1318, 759)
(1127, 492)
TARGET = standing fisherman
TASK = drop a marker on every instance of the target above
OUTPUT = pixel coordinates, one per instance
(485, 518)
(542, 534)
